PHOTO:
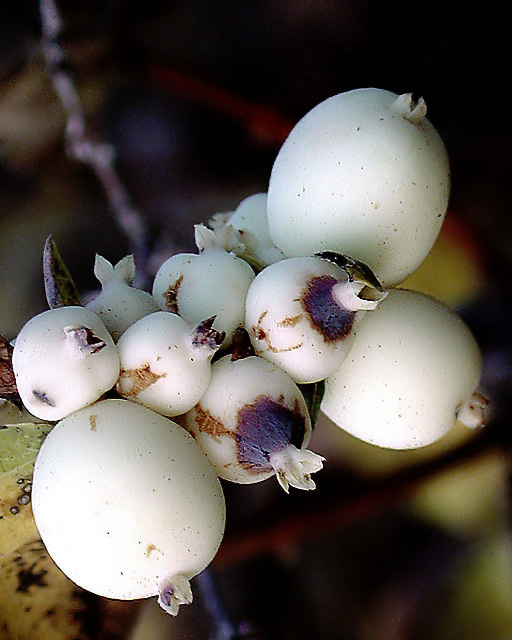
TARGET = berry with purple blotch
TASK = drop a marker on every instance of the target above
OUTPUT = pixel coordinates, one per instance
(253, 423)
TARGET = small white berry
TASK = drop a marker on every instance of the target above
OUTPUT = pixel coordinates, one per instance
(63, 360)
(301, 314)
(165, 362)
(119, 305)
(198, 286)
(249, 220)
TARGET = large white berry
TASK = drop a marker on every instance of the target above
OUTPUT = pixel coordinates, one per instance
(365, 174)
(198, 286)
(119, 305)
(413, 369)
(63, 360)
(165, 362)
(253, 422)
(301, 314)
(126, 503)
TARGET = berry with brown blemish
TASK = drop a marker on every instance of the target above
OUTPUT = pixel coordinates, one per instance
(253, 423)
(301, 314)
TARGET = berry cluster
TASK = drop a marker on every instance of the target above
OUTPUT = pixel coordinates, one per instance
(294, 287)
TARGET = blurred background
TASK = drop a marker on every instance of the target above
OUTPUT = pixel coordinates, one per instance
(197, 97)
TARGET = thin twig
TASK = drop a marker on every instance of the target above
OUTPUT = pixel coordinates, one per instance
(223, 627)
(81, 145)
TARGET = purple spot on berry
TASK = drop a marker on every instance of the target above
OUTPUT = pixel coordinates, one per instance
(42, 397)
(326, 316)
(264, 427)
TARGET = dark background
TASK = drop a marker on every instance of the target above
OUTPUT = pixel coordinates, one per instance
(197, 98)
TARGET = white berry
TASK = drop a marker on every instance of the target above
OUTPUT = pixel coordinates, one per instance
(414, 367)
(126, 503)
(249, 220)
(301, 314)
(364, 174)
(63, 360)
(165, 362)
(119, 305)
(253, 423)
(211, 283)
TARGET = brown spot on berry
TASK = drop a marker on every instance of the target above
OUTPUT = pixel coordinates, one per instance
(291, 321)
(150, 548)
(261, 335)
(171, 295)
(207, 423)
(133, 381)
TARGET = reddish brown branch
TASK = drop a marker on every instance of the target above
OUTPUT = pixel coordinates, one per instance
(264, 124)
(340, 509)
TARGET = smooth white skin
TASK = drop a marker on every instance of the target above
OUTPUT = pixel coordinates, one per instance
(413, 363)
(235, 384)
(213, 283)
(119, 305)
(46, 360)
(363, 176)
(126, 502)
(158, 349)
(290, 340)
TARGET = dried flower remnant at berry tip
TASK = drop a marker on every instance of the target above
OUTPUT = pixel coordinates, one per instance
(173, 593)
(84, 340)
(269, 437)
(204, 335)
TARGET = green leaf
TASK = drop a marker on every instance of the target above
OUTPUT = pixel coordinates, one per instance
(313, 394)
(19, 446)
(20, 443)
(60, 289)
